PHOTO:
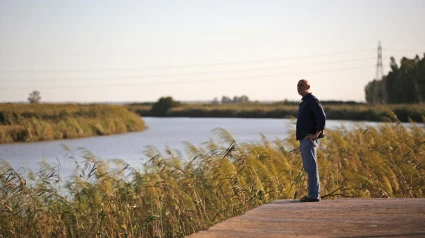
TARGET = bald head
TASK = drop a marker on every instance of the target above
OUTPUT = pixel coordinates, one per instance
(303, 87)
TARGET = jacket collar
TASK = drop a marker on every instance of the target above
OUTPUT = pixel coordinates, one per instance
(306, 96)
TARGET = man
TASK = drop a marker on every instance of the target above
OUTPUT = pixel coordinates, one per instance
(311, 121)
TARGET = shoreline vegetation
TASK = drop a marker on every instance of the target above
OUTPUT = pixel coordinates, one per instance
(334, 110)
(173, 195)
(39, 122)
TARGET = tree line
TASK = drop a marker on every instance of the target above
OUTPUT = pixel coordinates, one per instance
(405, 83)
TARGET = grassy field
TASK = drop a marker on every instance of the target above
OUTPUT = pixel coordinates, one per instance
(174, 195)
(36, 122)
(355, 112)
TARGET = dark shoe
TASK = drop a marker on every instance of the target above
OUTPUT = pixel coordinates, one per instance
(307, 199)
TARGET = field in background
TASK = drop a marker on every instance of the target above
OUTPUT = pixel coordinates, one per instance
(334, 111)
(37, 122)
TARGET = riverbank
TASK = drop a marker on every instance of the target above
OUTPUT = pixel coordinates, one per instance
(352, 112)
(40, 122)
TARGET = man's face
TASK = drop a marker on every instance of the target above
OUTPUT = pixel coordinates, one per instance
(302, 88)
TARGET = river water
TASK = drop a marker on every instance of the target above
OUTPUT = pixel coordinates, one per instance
(161, 132)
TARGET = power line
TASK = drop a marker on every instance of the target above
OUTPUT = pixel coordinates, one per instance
(405, 50)
(185, 74)
(178, 66)
(262, 77)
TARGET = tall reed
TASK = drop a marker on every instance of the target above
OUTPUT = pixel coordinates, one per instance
(172, 195)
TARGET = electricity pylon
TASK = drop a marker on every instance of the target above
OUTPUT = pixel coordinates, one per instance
(379, 91)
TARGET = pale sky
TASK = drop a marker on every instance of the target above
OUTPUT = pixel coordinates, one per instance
(121, 51)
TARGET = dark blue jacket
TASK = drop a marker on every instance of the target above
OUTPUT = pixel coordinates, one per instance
(311, 117)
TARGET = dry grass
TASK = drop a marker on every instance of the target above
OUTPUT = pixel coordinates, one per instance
(174, 195)
(355, 112)
(36, 122)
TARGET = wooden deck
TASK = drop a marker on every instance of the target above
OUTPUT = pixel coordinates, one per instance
(328, 218)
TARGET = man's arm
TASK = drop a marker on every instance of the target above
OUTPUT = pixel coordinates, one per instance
(320, 117)
(319, 114)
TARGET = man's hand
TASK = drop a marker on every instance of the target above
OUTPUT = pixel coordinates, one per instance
(312, 137)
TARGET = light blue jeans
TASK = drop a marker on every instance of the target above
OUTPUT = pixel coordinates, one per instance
(308, 154)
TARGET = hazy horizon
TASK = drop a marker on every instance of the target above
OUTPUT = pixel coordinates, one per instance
(139, 51)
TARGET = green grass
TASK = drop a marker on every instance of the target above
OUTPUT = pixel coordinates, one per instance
(173, 195)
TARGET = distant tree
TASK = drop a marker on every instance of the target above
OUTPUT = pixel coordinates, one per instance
(226, 99)
(243, 99)
(236, 99)
(406, 83)
(164, 104)
(215, 101)
(375, 92)
(34, 97)
(403, 84)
